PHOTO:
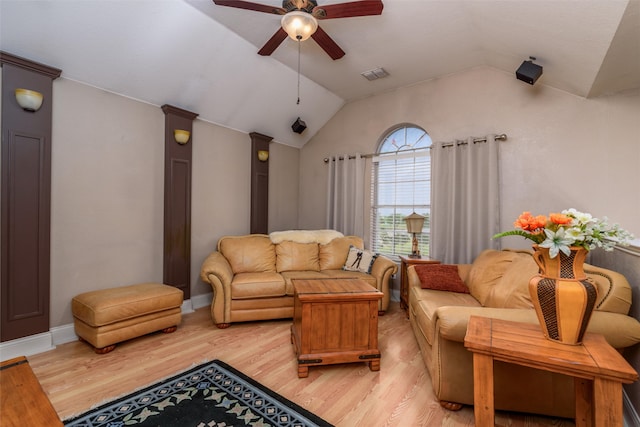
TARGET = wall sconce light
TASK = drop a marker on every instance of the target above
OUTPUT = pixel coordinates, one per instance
(181, 136)
(414, 226)
(263, 155)
(29, 100)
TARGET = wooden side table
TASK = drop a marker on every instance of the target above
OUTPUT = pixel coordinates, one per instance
(598, 369)
(335, 321)
(23, 401)
(405, 262)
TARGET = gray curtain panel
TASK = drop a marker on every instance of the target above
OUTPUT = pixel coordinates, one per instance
(345, 192)
(465, 203)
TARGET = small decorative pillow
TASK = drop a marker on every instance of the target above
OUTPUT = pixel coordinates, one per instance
(359, 260)
(441, 277)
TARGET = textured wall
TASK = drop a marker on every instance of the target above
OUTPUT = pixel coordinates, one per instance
(563, 151)
(627, 263)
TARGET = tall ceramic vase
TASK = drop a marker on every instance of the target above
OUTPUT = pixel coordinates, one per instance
(562, 295)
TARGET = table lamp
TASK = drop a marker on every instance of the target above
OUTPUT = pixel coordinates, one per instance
(414, 226)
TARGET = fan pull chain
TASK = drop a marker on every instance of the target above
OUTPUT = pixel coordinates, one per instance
(298, 103)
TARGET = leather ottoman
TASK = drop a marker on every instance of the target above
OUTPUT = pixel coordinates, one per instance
(106, 317)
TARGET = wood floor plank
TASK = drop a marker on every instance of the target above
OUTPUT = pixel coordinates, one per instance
(349, 395)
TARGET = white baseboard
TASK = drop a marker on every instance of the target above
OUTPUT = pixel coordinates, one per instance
(27, 346)
(203, 300)
(631, 418)
(64, 334)
(34, 344)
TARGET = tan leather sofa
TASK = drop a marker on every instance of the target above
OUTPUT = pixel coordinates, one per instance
(498, 285)
(251, 276)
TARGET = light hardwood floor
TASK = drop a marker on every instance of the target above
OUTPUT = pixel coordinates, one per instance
(400, 394)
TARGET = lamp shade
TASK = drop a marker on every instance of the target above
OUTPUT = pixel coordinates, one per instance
(414, 223)
(299, 25)
(29, 100)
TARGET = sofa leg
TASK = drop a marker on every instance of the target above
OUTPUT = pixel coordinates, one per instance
(452, 406)
(170, 329)
(104, 350)
(223, 325)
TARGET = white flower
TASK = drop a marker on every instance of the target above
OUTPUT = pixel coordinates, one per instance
(557, 242)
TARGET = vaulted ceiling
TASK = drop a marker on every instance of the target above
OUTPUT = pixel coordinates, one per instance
(202, 57)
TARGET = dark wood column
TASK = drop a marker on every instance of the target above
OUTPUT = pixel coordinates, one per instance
(259, 183)
(177, 199)
(26, 200)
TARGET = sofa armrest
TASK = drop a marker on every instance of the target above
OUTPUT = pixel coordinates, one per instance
(382, 269)
(216, 264)
(619, 330)
(217, 271)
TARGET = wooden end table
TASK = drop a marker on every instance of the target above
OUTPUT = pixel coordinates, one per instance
(24, 402)
(335, 321)
(405, 262)
(598, 369)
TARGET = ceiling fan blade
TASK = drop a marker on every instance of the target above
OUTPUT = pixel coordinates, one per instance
(273, 43)
(327, 43)
(348, 10)
(251, 6)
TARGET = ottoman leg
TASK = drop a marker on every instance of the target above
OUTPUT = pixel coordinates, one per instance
(104, 350)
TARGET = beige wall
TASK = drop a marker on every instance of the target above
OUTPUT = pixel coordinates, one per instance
(563, 150)
(107, 192)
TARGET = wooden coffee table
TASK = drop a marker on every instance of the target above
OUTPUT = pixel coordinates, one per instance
(335, 321)
(597, 368)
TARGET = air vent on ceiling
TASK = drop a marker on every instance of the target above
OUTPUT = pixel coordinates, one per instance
(375, 74)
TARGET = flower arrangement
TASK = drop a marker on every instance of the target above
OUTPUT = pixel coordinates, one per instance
(569, 228)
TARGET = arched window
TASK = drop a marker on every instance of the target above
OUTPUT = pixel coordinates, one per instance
(401, 184)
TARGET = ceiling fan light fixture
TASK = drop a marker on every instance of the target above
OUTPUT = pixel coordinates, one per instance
(299, 25)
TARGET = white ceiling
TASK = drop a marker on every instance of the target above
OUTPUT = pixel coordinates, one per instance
(202, 57)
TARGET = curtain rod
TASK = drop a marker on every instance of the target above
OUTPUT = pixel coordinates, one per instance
(501, 137)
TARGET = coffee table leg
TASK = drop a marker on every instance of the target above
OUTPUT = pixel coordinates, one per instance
(374, 365)
(483, 408)
(607, 403)
(303, 371)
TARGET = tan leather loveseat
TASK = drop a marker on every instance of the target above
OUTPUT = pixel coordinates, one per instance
(498, 286)
(251, 276)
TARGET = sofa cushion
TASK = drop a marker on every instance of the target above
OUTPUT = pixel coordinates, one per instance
(512, 289)
(292, 256)
(359, 260)
(487, 269)
(334, 254)
(257, 285)
(441, 277)
(246, 254)
(426, 302)
(290, 276)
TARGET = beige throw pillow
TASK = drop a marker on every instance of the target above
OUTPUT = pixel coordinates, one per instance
(359, 260)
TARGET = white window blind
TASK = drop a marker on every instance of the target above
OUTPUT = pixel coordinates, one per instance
(401, 184)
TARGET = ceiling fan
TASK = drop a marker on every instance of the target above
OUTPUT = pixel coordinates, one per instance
(299, 20)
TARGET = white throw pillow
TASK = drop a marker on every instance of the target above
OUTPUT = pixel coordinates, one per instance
(359, 260)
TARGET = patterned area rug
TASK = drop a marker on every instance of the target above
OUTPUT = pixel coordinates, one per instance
(210, 395)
